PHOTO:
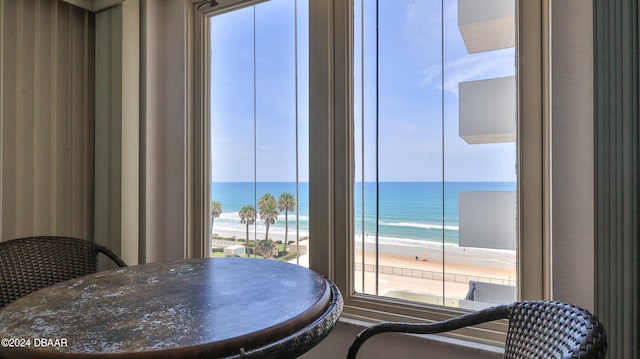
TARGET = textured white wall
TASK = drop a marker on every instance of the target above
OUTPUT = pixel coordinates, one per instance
(488, 110)
(487, 25)
(487, 219)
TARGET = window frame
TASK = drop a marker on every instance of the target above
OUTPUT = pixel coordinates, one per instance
(331, 157)
(331, 121)
(201, 190)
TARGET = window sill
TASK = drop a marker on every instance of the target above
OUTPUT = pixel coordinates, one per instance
(436, 345)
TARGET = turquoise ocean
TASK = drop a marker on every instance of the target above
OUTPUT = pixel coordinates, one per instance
(423, 211)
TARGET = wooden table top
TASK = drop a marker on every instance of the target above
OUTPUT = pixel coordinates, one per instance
(187, 308)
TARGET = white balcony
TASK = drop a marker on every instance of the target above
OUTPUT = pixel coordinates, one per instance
(487, 25)
(487, 219)
(488, 110)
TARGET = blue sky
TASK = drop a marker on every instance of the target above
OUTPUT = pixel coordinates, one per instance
(410, 95)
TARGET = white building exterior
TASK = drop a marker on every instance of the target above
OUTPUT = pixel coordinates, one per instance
(487, 114)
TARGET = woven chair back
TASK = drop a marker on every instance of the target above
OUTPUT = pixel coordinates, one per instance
(29, 264)
(545, 329)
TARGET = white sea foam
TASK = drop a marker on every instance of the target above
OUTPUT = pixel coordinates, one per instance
(390, 242)
(235, 216)
(420, 225)
(229, 216)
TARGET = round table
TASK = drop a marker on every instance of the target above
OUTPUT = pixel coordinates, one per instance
(224, 307)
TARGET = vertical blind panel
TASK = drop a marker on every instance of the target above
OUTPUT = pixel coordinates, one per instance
(42, 126)
(1, 106)
(617, 73)
(108, 133)
(46, 116)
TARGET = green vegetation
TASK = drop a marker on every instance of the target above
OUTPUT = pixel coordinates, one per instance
(289, 256)
(247, 216)
(286, 203)
(214, 212)
(269, 210)
(267, 248)
(258, 249)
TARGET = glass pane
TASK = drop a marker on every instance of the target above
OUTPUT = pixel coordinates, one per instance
(435, 151)
(259, 132)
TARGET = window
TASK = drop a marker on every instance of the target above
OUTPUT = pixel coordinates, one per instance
(334, 112)
(258, 117)
(335, 177)
(435, 151)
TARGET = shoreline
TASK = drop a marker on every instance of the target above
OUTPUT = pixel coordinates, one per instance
(403, 253)
(436, 273)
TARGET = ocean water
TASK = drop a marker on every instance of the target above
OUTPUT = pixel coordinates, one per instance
(406, 210)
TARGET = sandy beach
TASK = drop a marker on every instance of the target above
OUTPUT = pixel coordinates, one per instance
(412, 266)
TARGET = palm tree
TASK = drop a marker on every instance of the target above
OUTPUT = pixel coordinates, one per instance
(286, 202)
(268, 211)
(267, 249)
(248, 217)
(214, 212)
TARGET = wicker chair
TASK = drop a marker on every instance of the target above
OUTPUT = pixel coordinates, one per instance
(29, 264)
(537, 329)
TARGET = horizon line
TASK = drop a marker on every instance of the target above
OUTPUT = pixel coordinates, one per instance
(391, 181)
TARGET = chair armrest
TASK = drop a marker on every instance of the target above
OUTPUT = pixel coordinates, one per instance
(107, 252)
(483, 316)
